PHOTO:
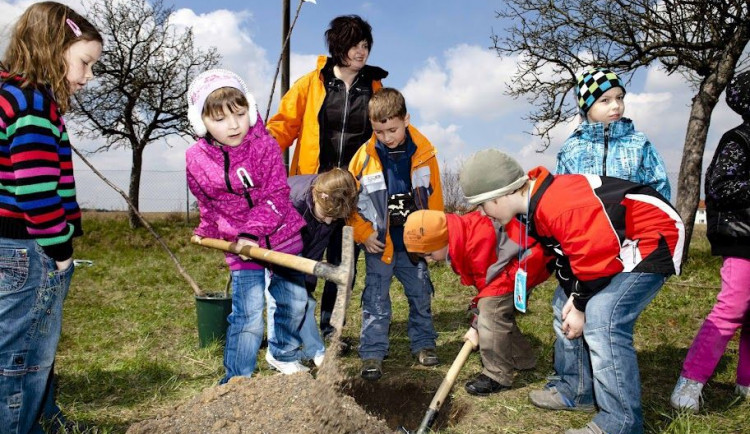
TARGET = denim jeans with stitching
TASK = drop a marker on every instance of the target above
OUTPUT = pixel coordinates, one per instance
(376, 304)
(245, 332)
(602, 367)
(312, 342)
(32, 292)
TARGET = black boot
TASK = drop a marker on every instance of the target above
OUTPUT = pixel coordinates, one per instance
(483, 385)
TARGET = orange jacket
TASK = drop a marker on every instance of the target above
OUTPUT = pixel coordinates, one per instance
(297, 119)
(372, 212)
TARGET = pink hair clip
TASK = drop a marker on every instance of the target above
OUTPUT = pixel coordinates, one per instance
(74, 27)
(324, 195)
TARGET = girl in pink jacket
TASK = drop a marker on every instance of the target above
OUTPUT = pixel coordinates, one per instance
(236, 172)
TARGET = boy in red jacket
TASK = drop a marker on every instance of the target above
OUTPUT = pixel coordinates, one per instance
(485, 256)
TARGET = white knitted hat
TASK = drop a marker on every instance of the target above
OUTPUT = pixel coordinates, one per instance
(207, 82)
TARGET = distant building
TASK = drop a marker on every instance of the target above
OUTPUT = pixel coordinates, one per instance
(700, 214)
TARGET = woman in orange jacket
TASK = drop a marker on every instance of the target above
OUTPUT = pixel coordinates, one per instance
(325, 111)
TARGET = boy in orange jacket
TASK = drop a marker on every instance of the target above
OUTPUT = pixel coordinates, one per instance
(484, 254)
(396, 172)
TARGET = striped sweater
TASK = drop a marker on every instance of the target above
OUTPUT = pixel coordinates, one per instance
(37, 189)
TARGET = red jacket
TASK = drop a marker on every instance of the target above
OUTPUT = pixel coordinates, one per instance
(481, 253)
(598, 226)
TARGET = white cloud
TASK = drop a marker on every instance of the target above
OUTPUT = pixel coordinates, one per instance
(471, 83)
(446, 140)
(225, 30)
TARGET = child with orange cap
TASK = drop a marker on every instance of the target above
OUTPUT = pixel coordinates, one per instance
(484, 254)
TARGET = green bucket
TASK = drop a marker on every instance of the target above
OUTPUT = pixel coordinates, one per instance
(213, 310)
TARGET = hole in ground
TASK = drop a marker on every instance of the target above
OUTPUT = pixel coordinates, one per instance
(401, 402)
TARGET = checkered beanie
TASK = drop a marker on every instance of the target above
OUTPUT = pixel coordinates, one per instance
(592, 84)
(738, 94)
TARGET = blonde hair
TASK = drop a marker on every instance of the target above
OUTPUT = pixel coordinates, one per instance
(38, 44)
(335, 192)
(385, 104)
(231, 98)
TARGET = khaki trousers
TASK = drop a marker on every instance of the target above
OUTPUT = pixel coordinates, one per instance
(502, 346)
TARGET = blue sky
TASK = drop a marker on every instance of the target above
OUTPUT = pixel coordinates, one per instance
(437, 54)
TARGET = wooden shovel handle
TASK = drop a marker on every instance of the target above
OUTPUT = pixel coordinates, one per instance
(278, 258)
(450, 377)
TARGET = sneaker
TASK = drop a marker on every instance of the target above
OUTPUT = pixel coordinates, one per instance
(483, 385)
(318, 360)
(427, 357)
(687, 395)
(372, 369)
(551, 399)
(743, 391)
(590, 428)
(286, 368)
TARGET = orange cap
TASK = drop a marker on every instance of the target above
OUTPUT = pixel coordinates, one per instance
(425, 231)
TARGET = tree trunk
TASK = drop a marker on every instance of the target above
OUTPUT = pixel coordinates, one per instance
(135, 187)
(691, 168)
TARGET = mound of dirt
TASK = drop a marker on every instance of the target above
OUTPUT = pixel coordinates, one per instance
(272, 404)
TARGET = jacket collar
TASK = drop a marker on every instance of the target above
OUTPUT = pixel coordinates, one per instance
(595, 131)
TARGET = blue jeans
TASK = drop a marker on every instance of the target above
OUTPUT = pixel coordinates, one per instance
(245, 331)
(312, 343)
(602, 367)
(32, 292)
(376, 304)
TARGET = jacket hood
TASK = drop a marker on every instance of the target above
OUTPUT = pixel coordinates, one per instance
(738, 94)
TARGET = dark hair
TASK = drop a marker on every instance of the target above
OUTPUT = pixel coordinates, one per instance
(224, 97)
(345, 32)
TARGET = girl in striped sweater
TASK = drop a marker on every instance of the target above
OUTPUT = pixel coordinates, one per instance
(49, 57)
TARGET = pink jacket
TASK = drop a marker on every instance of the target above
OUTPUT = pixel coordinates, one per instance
(242, 192)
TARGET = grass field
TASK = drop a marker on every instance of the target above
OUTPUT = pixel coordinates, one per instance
(130, 349)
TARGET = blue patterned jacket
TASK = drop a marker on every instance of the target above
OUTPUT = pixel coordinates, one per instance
(629, 155)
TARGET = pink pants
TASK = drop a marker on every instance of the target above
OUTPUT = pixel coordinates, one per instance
(731, 312)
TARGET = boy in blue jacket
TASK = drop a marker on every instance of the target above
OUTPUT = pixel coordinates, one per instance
(606, 143)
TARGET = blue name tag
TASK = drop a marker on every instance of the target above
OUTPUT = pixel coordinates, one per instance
(519, 291)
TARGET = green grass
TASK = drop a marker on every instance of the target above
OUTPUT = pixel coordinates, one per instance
(130, 348)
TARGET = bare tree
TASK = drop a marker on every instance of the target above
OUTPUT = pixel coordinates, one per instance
(453, 197)
(703, 40)
(143, 77)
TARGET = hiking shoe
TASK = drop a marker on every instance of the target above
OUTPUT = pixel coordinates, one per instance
(590, 428)
(483, 385)
(427, 357)
(372, 369)
(551, 399)
(687, 395)
(743, 391)
(286, 368)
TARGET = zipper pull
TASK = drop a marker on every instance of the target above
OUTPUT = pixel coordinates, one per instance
(247, 181)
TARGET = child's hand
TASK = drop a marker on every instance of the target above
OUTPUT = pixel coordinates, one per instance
(573, 320)
(245, 242)
(372, 245)
(472, 336)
